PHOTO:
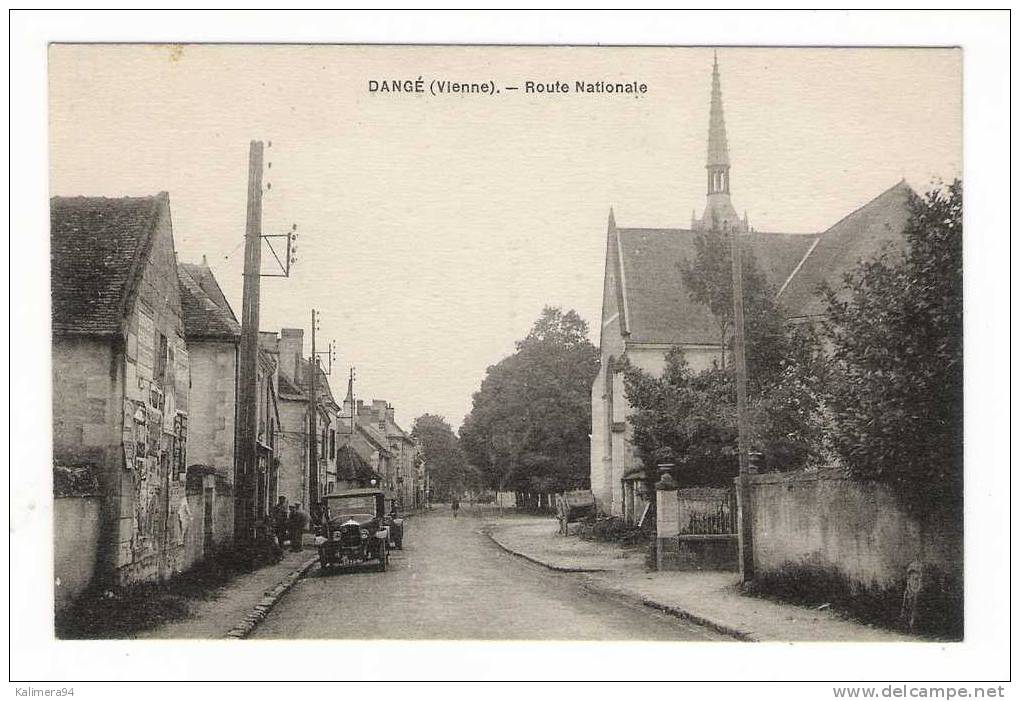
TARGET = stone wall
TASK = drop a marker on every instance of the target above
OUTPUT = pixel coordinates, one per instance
(820, 521)
(212, 405)
(76, 529)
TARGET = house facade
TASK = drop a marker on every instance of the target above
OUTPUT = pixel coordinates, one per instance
(212, 334)
(122, 377)
(647, 310)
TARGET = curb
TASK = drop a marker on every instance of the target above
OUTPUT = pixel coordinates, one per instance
(269, 599)
(555, 568)
(676, 612)
(627, 597)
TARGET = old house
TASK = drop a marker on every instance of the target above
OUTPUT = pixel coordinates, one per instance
(212, 335)
(122, 380)
(646, 308)
(294, 452)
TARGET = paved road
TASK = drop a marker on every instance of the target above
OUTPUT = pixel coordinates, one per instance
(451, 582)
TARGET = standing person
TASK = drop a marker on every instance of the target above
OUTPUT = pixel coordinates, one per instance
(280, 518)
(298, 524)
(455, 505)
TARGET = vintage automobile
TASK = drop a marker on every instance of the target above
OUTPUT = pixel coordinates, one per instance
(353, 529)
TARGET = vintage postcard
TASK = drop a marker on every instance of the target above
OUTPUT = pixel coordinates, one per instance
(507, 343)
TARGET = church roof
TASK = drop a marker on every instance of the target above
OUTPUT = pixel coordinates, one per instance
(857, 236)
(656, 304)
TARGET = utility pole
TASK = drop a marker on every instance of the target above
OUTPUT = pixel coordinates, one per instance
(313, 423)
(247, 420)
(740, 365)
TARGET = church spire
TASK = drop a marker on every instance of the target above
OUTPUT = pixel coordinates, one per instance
(718, 153)
(719, 211)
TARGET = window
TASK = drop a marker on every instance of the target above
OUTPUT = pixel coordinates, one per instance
(161, 358)
(332, 444)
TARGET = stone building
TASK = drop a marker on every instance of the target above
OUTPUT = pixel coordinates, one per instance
(121, 378)
(294, 446)
(212, 334)
(646, 308)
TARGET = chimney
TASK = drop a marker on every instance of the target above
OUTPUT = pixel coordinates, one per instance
(292, 344)
(379, 410)
(389, 414)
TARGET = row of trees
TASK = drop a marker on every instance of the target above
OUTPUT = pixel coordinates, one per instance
(878, 385)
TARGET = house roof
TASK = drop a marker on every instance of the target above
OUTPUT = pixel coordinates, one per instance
(207, 314)
(351, 464)
(656, 304)
(857, 236)
(289, 390)
(96, 248)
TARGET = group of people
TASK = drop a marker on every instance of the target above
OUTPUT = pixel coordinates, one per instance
(289, 523)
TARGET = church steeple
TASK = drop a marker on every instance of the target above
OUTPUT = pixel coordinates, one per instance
(719, 211)
(718, 163)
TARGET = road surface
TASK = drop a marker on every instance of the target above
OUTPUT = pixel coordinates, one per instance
(451, 582)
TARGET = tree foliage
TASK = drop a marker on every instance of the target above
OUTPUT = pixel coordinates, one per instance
(896, 332)
(529, 420)
(440, 448)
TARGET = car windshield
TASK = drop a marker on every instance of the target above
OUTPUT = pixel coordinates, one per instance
(359, 505)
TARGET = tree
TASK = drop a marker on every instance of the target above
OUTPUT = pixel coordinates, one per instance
(529, 420)
(709, 281)
(448, 469)
(690, 418)
(896, 332)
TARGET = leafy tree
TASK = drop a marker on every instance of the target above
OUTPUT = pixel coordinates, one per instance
(709, 281)
(690, 418)
(444, 459)
(896, 332)
(529, 421)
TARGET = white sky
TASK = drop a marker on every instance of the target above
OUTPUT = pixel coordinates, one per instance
(434, 229)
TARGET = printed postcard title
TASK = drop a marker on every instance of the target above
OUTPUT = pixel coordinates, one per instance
(442, 87)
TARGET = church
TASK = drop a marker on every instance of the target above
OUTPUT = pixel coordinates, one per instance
(646, 309)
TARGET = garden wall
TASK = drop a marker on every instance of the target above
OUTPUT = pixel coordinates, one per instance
(821, 523)
(76, 526)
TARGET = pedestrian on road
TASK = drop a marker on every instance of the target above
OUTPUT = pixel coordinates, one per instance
(298, 523)
(455, 505)
(281, 515)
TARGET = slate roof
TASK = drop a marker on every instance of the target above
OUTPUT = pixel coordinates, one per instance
(96, 248)
(352, 466)
(656, 304)
(858, 236)
(289, 390)
(207, 314)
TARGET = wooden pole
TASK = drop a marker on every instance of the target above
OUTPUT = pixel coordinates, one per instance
(247, 366)
(313, 427)
(743, 429)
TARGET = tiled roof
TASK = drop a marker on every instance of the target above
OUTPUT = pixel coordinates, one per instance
(206, 311)
(321, 383)
(657, 305)
(352, 466)
(289, 390)
(859, 235)
(96, 245)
